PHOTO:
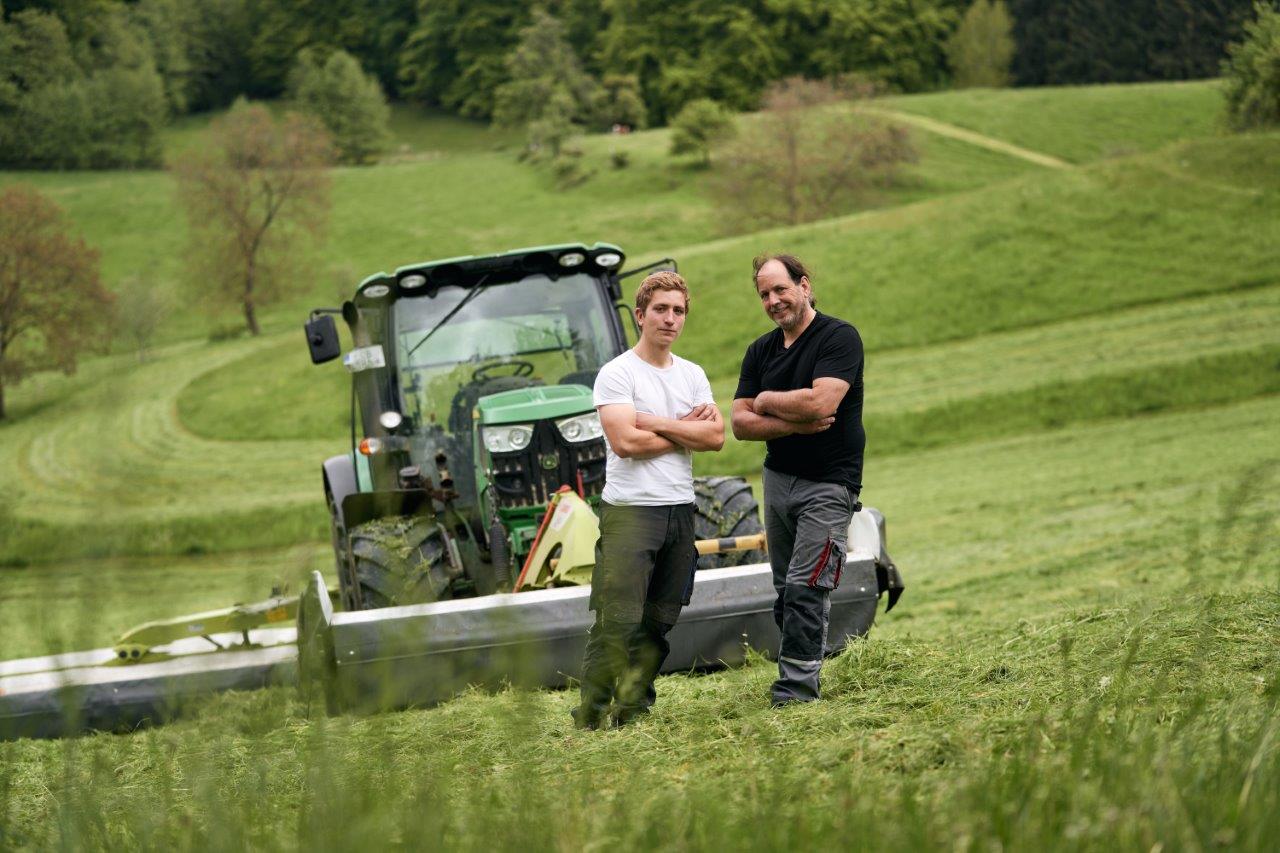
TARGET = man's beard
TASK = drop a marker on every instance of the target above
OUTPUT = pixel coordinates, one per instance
(788, 320)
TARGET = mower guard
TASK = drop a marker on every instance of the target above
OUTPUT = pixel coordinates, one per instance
(418, 655)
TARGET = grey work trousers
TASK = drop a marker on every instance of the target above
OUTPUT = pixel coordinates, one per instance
(807, 524)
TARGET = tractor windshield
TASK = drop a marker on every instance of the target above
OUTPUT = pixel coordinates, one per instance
(535, 331)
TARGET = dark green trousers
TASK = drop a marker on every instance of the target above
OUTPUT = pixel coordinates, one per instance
(642, 578)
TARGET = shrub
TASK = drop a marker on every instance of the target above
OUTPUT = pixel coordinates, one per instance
(701, 124)
(1252, 70)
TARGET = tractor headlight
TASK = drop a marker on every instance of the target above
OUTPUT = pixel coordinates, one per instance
(507, 438)
(581, 428)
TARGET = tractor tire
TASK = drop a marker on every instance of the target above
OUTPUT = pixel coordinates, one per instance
(401, 560)
(724, 507)
(338, 535)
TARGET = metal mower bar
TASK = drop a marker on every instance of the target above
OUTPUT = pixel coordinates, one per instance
(419, 655)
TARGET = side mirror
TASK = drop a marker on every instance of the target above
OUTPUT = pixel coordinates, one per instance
(322, 339)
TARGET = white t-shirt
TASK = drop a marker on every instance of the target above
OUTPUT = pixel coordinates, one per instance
(668, 393)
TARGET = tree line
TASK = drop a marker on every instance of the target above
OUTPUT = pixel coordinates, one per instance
(89, 83)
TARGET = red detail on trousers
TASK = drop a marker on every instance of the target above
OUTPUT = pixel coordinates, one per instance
(822, 562)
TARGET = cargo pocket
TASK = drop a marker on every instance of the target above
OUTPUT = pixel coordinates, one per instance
(830, 563)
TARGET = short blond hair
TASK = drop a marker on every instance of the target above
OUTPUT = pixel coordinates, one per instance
(660, 280)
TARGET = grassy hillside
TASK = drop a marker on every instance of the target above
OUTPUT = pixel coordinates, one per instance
(450, 191)
(1054, 254)
(1079, 123)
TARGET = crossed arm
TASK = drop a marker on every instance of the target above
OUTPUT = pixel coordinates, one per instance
(774, 414)
(638, 435)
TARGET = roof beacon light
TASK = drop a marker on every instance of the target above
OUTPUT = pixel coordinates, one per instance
(608, 260)
(572, 259)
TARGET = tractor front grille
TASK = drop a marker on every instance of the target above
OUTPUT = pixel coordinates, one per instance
(531, 476)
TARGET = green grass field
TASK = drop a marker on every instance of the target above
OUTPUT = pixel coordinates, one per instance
(1079, 123)
(1073, 391)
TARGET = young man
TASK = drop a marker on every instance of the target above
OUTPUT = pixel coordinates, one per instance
(656, 410)
(801, 392)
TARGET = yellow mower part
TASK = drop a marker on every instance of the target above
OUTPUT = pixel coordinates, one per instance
(564, 552)
(136, 643)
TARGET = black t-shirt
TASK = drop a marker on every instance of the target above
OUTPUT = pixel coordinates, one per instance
(828, 347)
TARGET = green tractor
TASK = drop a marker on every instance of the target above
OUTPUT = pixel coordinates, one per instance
(471, 408)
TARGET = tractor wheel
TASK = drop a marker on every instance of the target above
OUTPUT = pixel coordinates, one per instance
(338, 534)
(401, 560)
(724, 507)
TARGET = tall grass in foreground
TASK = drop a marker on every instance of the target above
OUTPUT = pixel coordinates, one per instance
(1147, 723)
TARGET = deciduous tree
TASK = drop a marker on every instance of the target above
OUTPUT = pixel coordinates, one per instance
(807, 155)
(253, 194)
(547, 90)
(981, 49)
(52, 302)
(349, 103)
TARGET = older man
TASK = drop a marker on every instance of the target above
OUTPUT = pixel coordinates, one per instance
(656, 409)
(800, 391)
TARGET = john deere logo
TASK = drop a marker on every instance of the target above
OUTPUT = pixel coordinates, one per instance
(549, 460)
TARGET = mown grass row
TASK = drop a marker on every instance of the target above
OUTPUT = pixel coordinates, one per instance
(288, 509)
(1192, 384)
(1092, 666)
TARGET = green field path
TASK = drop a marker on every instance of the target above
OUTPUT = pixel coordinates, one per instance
(982, 141)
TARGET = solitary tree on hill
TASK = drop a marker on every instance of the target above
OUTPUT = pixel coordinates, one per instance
(808, 154)
(252, 196)
(52, 302)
